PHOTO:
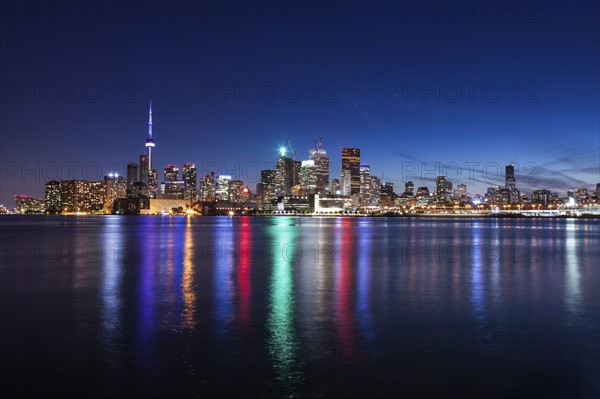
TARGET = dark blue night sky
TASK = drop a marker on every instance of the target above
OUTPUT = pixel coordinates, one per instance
(469, 85)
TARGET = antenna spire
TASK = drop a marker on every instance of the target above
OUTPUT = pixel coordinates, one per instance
(150, 122)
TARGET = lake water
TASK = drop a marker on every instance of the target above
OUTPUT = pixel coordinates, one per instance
(300, 307)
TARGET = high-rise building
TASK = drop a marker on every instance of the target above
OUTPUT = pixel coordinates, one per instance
(26, 204)
(75, 196)
(345, 182)
(113, 187)
(409, 189)
(351, 162)
(308, 176)
(388, 189)
(152, 183)
(190, 179)
(441, 189)
(174, 189)
(365, 184)
(511, 184)
(208, 187)
(321, 163)
(132, 174)
(267, 182)
(236, 191)
(144, 169)
(222, 188)
(541, 197)
(461, 191)
(97, 196)
(52, 197)
(285, 174)
(171, 173)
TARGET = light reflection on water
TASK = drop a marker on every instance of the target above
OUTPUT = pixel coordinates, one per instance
(301, 306)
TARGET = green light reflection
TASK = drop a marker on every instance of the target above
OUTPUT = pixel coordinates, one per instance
(283, 340)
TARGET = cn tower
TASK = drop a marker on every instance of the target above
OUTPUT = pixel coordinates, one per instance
(150, 141)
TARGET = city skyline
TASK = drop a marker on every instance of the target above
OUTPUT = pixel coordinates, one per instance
(508, 93)
(421, 174)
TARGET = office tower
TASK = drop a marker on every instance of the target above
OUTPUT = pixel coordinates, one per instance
(409, 189)
(461, 191)
(335, 186)
(285, 172)
(207, 187)
(365, 184)
(144, 170)
(511, 184)
(374, 194)
(351, 163)
(597, 190)
(171, 173)
(441, 187)
(132, 171)
(52, 197)
(307, 177)
(190, 179)
(448, 190)
(222, 188)
(321, 163)
(267, 182)
(345, 182)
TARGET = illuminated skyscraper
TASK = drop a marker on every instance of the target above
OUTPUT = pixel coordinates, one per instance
(113, 187)
(207, 187)
(190, 179)
(171, 173)
(222, 188)
(308, 176)
(511, 184)
(345, 182)
(351, 163)
(236, 191)
(441, 189)
(132, 171)
(267, 181)
(285, 172)
(321, 163)
(52, 196)
(75, 196)
(144, 171)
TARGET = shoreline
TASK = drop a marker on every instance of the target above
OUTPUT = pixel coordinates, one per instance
(387, 215)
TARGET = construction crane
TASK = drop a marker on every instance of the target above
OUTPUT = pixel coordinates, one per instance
(292, 148)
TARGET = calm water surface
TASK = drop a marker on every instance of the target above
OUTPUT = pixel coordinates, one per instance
(300, 307)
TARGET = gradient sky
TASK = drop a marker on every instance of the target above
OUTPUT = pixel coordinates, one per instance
(384, 77)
